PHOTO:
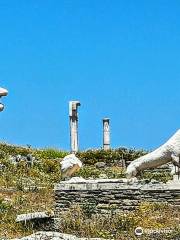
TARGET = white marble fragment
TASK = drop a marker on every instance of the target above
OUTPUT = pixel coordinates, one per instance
(32, 216)
(70, 165)
(3, 92)
(168, 152)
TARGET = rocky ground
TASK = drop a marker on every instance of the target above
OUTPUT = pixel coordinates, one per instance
(53, 236)
(27, 177)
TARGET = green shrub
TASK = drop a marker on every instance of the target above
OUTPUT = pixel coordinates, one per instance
(90, 157)
(162, 176)
(4, 206)
(89, 172)
(49, 153)
(50, 166)
(14, 150)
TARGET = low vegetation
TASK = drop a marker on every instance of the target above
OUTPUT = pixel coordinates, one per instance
(151, 217)
(25, 189)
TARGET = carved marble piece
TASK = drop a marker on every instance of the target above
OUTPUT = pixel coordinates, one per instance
(168, 152)
(70, 165)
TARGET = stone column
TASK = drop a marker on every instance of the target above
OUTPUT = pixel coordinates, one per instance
(106, 134)
(73, 117)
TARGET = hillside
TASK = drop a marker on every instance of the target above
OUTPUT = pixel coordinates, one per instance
(27, 177)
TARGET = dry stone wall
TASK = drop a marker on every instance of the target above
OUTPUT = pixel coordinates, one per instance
(112, 195)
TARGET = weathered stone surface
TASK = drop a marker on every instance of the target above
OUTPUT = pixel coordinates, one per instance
(53, 236)
(167, 153)
(29, 159)
(116, 194)
(2, 167)
(70, 165)
(33, 216)
(100, 164)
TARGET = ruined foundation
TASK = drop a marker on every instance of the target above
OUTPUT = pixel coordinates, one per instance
(107, 195)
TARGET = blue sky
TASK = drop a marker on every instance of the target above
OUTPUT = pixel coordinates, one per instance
(121, 59)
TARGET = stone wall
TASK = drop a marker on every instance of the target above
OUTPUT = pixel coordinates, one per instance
(105, 195)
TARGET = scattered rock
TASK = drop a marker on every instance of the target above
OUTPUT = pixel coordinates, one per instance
(2, 167)
(100, 164)
(12, 160)
(53, 236)
(18, 158)
(29, 159)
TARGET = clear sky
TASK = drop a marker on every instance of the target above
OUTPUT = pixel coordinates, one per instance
(121, 59)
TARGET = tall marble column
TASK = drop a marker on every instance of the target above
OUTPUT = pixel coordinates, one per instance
(106, 134)
(73, 117)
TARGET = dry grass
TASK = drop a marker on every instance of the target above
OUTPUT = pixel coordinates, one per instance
(12, 204)
(122, 225)
(46, 172)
